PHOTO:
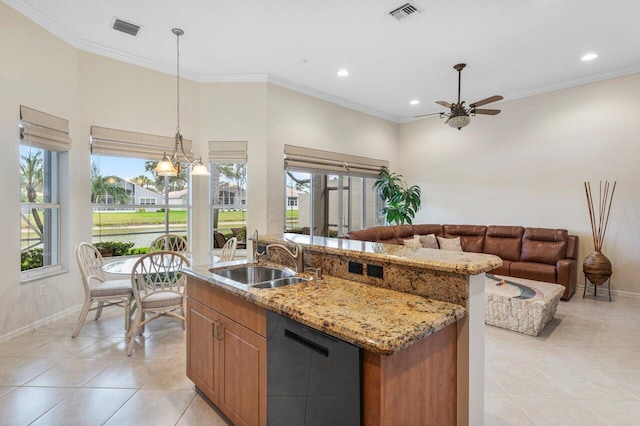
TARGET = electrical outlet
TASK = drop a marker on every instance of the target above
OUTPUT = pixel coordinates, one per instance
(355, 267)
(375, 271)
(43, 289)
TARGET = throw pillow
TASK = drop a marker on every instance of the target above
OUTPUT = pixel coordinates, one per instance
(452, 244)
(413, 244)
(429, 241)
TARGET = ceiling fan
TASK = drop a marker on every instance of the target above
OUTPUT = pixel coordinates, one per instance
(459, 116)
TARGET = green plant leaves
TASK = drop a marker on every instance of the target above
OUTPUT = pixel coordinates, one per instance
(401, 202)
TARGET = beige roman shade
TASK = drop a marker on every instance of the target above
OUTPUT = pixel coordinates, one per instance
(45, 131)
(227, 151)
(300, 159)
(122, 143)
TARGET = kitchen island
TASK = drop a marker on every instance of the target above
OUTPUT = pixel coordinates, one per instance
(416, 347)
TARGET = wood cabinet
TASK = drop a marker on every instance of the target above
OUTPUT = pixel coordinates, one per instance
(226, 352)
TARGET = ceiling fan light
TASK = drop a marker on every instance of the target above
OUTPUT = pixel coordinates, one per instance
(459, 121)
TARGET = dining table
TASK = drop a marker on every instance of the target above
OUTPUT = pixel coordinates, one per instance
(125, 266)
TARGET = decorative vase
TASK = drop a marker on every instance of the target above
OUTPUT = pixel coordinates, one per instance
(597, 267)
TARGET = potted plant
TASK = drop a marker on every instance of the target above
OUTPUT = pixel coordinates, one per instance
(401, 202)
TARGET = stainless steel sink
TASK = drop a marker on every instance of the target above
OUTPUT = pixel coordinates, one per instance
(280, 282)
(250, 275)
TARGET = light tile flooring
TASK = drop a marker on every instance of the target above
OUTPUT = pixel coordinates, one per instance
(584, 369)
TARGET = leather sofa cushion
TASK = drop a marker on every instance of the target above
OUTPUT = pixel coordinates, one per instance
(533, 271)
(428, 229)
(403, 232)
(572, 247)
(501, 270)
(471, 236)
(544, 245)
(504, 241)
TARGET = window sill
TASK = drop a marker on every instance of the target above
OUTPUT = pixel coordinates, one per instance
(30, 276)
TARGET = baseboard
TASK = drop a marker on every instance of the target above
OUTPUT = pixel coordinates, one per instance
(604, 290)
(44, 321)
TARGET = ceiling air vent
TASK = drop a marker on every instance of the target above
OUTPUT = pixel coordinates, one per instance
(405, 11)
(126, 27)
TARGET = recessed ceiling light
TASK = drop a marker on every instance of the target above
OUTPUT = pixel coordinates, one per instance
(343, 73)
(589, 57)
(414, 102)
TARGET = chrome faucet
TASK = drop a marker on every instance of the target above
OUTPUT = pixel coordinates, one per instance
(255, 245)
(297, 255)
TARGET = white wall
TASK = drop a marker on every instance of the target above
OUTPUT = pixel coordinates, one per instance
(297, 119)
(38, 71)
(42, 72)
(526, 166)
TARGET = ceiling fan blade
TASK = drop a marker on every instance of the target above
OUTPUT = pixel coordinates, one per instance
(494, 98)
(486, 111)
(427, 115)
(444, 104)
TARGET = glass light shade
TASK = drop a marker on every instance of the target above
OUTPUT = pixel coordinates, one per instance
(199, 169)
(165, 167)
(459, 121)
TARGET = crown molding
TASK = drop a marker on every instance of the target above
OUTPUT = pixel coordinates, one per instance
(287, 84)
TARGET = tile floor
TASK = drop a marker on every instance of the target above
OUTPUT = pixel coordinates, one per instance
(584, 369)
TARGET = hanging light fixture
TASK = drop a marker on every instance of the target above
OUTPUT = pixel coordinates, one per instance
(171, 166)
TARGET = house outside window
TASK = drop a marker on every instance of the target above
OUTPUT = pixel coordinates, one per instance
(292, 201)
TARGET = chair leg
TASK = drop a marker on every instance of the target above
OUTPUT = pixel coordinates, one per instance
(99, 311)
(127, 314)
(184, 313)
(82, 317)
(134, 332)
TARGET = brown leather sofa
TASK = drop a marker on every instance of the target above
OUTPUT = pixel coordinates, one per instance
(539, 254)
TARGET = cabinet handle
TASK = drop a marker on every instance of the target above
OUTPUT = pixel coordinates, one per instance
(213, 328)
(217, 333)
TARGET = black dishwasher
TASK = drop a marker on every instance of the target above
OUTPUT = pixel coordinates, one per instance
(313, 379)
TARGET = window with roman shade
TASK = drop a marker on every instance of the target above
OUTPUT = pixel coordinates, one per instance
(131, 204)
(44, 140)
(228, 165)
(329, 193)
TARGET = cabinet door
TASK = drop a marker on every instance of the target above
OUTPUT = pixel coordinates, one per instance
(243, 379)
(202, 348)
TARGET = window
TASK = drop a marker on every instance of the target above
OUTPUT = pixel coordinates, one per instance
(131, 205)
(228, 166)
(148, 201)
(329, 194)
(44, 143)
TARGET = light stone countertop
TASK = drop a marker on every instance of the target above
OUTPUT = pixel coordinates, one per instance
(438, 260)
(379, 320)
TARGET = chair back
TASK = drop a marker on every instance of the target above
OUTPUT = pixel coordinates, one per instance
(159, 271)
(90, 263)
(169, 242)
(219, 239)
(229, 250)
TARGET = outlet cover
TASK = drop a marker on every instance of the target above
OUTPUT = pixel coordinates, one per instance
(43, 289)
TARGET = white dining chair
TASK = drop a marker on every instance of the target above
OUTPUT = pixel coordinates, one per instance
(169, 242)
(97, 289)
(158, 286)
(229, 250)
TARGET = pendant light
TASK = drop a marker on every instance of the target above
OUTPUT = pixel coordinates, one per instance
(171, 166)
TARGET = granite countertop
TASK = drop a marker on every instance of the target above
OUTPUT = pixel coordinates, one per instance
(379, 320)
(439, 260)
